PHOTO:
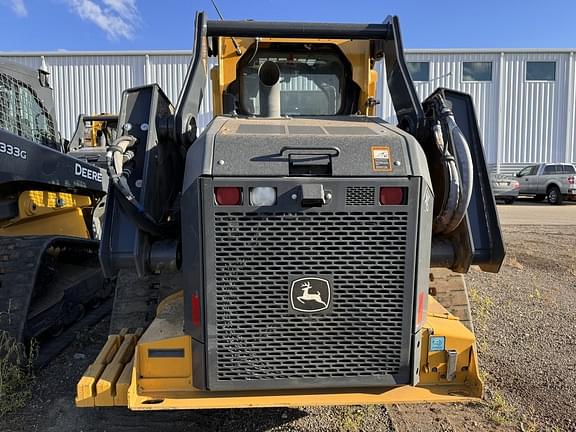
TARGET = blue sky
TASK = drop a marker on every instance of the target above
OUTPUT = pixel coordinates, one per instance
(90, 25)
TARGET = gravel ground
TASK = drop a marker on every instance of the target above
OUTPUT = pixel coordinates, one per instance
(524, 320)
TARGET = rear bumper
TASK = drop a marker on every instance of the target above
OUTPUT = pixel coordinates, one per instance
(155, 374)
(508, 193)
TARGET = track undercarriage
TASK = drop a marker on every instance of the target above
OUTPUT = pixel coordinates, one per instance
(47, 285)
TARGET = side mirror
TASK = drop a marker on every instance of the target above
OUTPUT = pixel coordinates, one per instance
(518, 174)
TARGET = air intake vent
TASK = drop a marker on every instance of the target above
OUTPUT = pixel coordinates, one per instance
(360, 196)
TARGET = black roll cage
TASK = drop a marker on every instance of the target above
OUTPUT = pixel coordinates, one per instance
(385, 42)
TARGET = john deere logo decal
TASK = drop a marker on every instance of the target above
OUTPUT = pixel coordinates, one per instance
(310, 294)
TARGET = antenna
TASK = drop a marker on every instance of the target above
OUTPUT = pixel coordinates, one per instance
(217, 10)
(238, 50)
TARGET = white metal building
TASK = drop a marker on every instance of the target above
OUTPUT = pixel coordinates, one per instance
(525, 99)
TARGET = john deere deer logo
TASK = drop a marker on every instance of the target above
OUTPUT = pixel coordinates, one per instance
(310, 294)
(307, 296)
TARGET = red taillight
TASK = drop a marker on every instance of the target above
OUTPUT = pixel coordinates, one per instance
(515, 185)
(420, 308)
(571, 180)
(195, 310)
(392, 195)
(228, 195)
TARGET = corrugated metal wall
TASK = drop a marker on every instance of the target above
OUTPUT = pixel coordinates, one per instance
(87, 83)
(521, 121)
(534, 112)
(446, 71)
(571, 110)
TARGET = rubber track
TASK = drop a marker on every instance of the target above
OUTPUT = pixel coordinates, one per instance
(451, 292)
(136, 299)
(51, 347)
(20, 261)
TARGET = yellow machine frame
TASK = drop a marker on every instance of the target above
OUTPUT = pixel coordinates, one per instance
(125, 374)
(48, 213)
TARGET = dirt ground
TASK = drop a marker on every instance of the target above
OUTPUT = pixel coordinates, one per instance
(525, 323)
(526, 212)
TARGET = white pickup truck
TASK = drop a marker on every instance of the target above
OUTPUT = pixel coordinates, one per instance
(554, 181)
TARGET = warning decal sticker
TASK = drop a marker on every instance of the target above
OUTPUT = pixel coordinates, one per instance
(437, 343)
(381, 159)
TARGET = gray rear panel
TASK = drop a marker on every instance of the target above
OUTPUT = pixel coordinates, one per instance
(241, 262)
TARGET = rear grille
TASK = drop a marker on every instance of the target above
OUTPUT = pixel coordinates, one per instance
(257, 338)
(360, 195)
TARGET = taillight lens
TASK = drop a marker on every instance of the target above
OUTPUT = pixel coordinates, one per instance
(515, 185)
(228, 195)
(571, 180)
(196, 319)
(393, 195)
(420, 308)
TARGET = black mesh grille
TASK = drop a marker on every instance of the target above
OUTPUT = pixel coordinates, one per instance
(257, 338)
(22, 112)
(360, 195)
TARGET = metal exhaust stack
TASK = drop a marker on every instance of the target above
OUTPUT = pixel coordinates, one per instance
(269, 76)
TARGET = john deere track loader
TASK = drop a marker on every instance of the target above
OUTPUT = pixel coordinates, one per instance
(50, 276)
(304, 227)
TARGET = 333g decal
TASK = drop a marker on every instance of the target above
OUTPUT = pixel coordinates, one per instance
(12, 150)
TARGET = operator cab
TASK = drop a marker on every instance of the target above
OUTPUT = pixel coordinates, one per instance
(314, 80)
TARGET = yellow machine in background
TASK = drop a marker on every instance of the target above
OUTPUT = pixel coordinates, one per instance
(304, 228)
(49, 213)
(93, 134)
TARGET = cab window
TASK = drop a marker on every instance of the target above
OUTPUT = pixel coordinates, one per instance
(312, 81)
(22, 113)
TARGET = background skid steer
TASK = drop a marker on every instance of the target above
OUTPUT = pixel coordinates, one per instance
(294, 185)
(50, 277)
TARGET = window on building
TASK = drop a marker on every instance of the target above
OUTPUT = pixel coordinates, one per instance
(477, 71)
(540, 71)
(419, 71)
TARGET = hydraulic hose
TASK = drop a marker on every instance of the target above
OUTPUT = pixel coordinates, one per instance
(117, 155)
(452, 183)
(458, 179)
(466, 171)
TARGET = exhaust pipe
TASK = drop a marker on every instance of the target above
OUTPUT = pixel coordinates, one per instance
(269, 77)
